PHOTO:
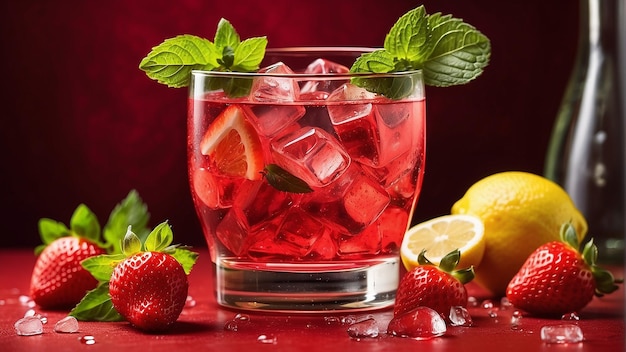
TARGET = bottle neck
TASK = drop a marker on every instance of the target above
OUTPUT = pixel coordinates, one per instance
(601, 25)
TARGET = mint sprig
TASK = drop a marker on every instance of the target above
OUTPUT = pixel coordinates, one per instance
(96, 305)
(172, 61)
(448, 50)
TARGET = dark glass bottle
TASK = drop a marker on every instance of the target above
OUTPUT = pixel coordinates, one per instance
(586, 154)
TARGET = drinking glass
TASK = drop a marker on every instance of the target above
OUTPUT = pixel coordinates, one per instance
(305, 182)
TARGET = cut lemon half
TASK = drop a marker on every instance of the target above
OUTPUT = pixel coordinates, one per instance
(233, 145)
(442, 235)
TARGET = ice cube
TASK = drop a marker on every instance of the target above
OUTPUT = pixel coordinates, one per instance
(28, 326)
(367, 241)
(348, 205)
(421, 323)
(276, 96)
(459, 316)
(367, 328)
(311, 154)
(321, 67)
(294, 236)
(565, 333)
(375, 131)
(69, 324)
(392, 226)
(516, 319)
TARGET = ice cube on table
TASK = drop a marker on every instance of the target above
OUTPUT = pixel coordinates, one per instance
(564, 333)
(69, 324)
(459, 316)
(312, 155)
(421, 323)
(367, 328)
(28, 326)
(273, 96)
(322, 67)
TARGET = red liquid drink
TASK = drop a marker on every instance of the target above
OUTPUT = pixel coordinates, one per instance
(361, 155)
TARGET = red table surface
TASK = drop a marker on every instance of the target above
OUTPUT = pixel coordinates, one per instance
(201, 327)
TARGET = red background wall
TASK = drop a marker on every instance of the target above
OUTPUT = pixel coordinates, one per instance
(81, 123)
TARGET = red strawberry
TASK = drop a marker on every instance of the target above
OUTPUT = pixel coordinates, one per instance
(438, 288)
(58, 280)
(556, 279)
(149, 289)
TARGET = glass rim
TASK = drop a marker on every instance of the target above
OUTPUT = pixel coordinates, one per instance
(300, 51)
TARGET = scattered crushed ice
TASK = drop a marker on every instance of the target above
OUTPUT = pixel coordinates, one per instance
(459, 316)
(570, 317)
(26, 301)
(68, 324)
(516, 319)
(190, 302)
(29, 326)
(267, 339)
(32, 313)
(87, 340)
(566, 333)
(421, 323)
(363, 329)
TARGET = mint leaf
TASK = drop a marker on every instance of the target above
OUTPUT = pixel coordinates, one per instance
(130, 211)
(185, 257)
(159, 238)
(172, 61)
(409, 38)
(101, 266)
(282, 180)
(85, 223)
(96, 306)
(249, 54)
(226, 36)
(449, 51)
(459, 55)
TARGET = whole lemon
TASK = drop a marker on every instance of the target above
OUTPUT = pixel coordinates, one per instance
(520, 212)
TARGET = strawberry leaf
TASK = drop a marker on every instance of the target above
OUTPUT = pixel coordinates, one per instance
(130, 211)
(185, 257)
(159, 238)
(49, 231)
(449, 262)
(101, 266)
(85, 223)
(96, 306)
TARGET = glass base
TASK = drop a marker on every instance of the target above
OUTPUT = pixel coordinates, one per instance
(307, 287)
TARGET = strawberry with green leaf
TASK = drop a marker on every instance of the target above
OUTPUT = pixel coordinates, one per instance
(557, 279)
(58, 280)
(146, 284)
(436, 287)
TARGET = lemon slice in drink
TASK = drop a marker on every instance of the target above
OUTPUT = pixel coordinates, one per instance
(442, 235)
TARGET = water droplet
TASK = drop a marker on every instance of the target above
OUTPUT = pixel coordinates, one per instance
(472, 301)
(28, 326)
(348, 319)
(505, 303)
(68, 324)
(332, 320)
(570, 317)
(87, 340)
(267, 339)
(492, 314)
(238, 321)
(566, 333)
(487, 304)
(459, 316)
(516, 320)
(242, 317)
(421, 323)
(364, 328)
